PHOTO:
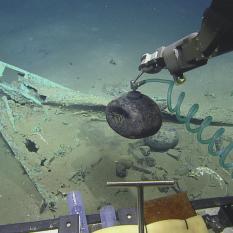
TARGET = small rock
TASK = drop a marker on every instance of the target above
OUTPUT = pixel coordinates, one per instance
(52, 206)
(112, 62)
(121, 170)
(163, 189)
(150, 161)
(62, 185)
(167, 138)
(211, 95)
(126, 162)
(145, 150)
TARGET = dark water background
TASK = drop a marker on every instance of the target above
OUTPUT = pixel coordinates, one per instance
(45, 36)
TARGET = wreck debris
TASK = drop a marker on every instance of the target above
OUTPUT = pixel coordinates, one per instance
(121, 190)
(112, 62)
(52, 206)
(9, 112)
(150, 161)
(33, 89)
(20, 93)
(43, 206)
(141, 169)
(211, 95)
(121, 170)
(79, 176)
(173, 153)
(203, 171)
(93, 165)
(19, 152)
(141, 154)
(63, 150)
(122, 165)
(37, 91)
(42, 163)
(145, 150)
(41, 137)
(61, 194)
(136, 153)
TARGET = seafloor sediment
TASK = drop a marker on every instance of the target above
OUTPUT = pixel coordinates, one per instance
(71, 149)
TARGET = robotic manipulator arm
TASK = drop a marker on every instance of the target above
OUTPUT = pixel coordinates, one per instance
(214, 38)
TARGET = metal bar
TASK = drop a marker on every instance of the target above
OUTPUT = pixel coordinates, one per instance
(140, 209)
(212, 202)
(65, 224)
(140, 195)
(30, 226)
(2, 69)
(141, 183)
(139, 75)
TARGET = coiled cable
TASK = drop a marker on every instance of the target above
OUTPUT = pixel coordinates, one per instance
(222, 153)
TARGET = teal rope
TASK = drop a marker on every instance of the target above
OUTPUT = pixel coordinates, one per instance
(222, 154)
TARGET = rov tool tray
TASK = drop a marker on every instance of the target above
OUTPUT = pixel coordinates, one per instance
(70, 223)
(64, 224)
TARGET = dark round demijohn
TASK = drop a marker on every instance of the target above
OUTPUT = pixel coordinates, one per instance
(134, 115)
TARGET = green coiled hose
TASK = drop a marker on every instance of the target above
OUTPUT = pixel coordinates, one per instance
(223, 153)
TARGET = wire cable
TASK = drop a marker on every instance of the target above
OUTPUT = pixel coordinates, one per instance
(223, 153)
